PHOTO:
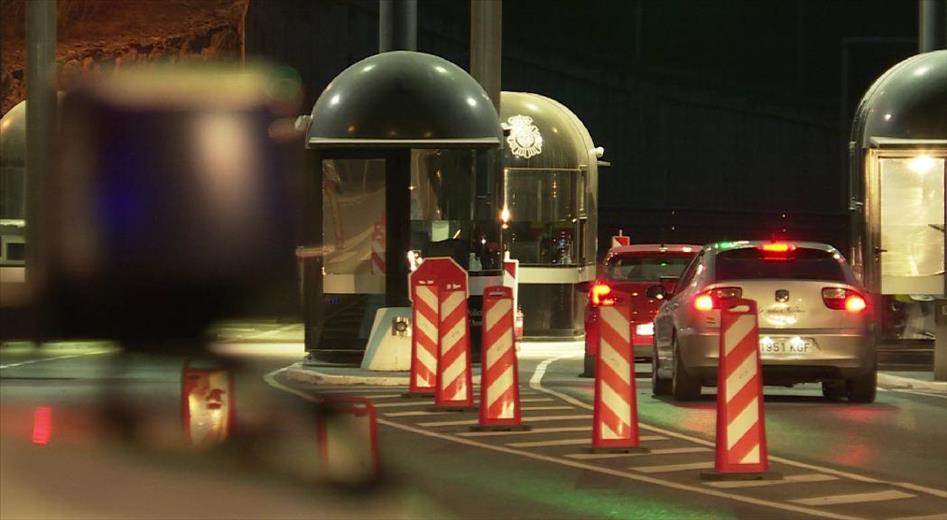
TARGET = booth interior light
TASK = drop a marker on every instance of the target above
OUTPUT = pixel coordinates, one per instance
(921, 164)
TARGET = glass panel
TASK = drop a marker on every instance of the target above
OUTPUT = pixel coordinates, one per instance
(803, 264)
(544, 213)
(452, 214)
(646, 268)
(912, 224)
(353, 215)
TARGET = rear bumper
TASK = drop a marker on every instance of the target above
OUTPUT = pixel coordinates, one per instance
(838, 356)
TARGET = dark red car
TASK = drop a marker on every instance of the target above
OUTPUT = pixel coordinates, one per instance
(632, 270)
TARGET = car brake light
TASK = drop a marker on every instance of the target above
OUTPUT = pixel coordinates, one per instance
(839, 298)
(778, 247)
(600, 295)
(711, 299)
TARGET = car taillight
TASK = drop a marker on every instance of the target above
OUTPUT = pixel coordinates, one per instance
(841, 299)
(710, 300)
(600, 294)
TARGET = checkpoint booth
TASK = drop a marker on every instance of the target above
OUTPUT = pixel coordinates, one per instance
(402, 164)
(13, 194)
(550, 170)
(898, 153)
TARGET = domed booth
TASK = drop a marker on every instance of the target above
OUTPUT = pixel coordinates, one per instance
(12, 194)
(403, 152)
(550, 170)
(898, 153)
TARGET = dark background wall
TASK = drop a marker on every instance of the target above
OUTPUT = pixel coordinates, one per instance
(722, 120)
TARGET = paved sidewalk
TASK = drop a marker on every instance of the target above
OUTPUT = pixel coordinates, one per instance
(918, 380)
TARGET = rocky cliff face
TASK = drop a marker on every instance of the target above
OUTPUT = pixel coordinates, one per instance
(100, 36)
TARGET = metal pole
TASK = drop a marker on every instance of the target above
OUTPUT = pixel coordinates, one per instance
(486, 30)
(940, 340)
(932, 25)
(397, 25)
(40, 128)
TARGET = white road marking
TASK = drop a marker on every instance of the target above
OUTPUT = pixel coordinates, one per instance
(857, 498)
(669, 468)
(660, 451)
(361, 390)
(936, 516)
(270, 379)
(463, 422)
(542, 444)
(535, 382)
(791, 479)
(541, 408)
(534, 431)
(536, 400)
(55, 358)
(419, 402)
(417, 413)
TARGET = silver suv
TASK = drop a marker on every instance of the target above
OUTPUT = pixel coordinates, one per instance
(814, 321)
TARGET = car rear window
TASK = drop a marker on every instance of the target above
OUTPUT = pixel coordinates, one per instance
(799, 264)
(646, 268)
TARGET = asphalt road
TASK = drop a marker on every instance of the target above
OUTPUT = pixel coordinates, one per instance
(114, 447)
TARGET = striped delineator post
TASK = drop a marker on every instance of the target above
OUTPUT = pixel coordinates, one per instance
(454, 379)
(378, 247)
(424, 337)
(615, 416)
(741, 433)
(499, 380)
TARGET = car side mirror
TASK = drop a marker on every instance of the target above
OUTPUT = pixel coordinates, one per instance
(657, 292)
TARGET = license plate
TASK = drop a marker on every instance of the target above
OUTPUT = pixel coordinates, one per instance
(793, 345)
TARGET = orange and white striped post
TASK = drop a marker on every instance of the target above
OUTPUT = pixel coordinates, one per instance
(454, 379)
(615, 416)
(499, 381)
(424, 337)
(741, 433)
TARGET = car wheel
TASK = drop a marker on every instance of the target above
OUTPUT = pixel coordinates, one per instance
(659, 386)
(862, 389)
(833, 390)
(683, 386)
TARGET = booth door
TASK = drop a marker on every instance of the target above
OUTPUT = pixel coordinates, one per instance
(912, 224)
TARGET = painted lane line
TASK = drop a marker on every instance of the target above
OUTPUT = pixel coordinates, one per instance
(936, 516)
(535, 383)
(417, 413)
(56, 358)
(525, 419)
(670, 468)
(541, 408)
(617, 473)
(791, 479)
(536, 400)
(585, 441)
(388, 390)
(403, 404)
(857, 498)
(271, 380)
(534, 431)
(661, 451)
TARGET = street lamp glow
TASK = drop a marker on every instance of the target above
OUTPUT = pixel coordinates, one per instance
(505, 215)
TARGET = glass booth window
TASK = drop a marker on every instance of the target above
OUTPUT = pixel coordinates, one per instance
(912, 224)
(453, 207)
(353, 209)
(546, 216)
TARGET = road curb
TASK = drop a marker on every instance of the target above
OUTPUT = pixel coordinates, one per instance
(893, 381)
(310, 375)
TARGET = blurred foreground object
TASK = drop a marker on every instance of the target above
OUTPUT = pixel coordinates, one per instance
(169, 206)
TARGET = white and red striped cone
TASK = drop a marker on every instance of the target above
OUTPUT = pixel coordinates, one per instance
(615, 416)
(499, 380)
(347, 436)
(378, 246)
(424, 338)
(741, 433)
(454, 379)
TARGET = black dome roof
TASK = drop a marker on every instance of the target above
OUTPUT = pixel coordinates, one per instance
(404, 98)
(909, 101)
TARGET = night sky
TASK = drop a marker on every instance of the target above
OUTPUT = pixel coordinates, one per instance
(720, 119)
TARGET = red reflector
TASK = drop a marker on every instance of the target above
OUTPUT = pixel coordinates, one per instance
(600, 295)
(42, 425)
